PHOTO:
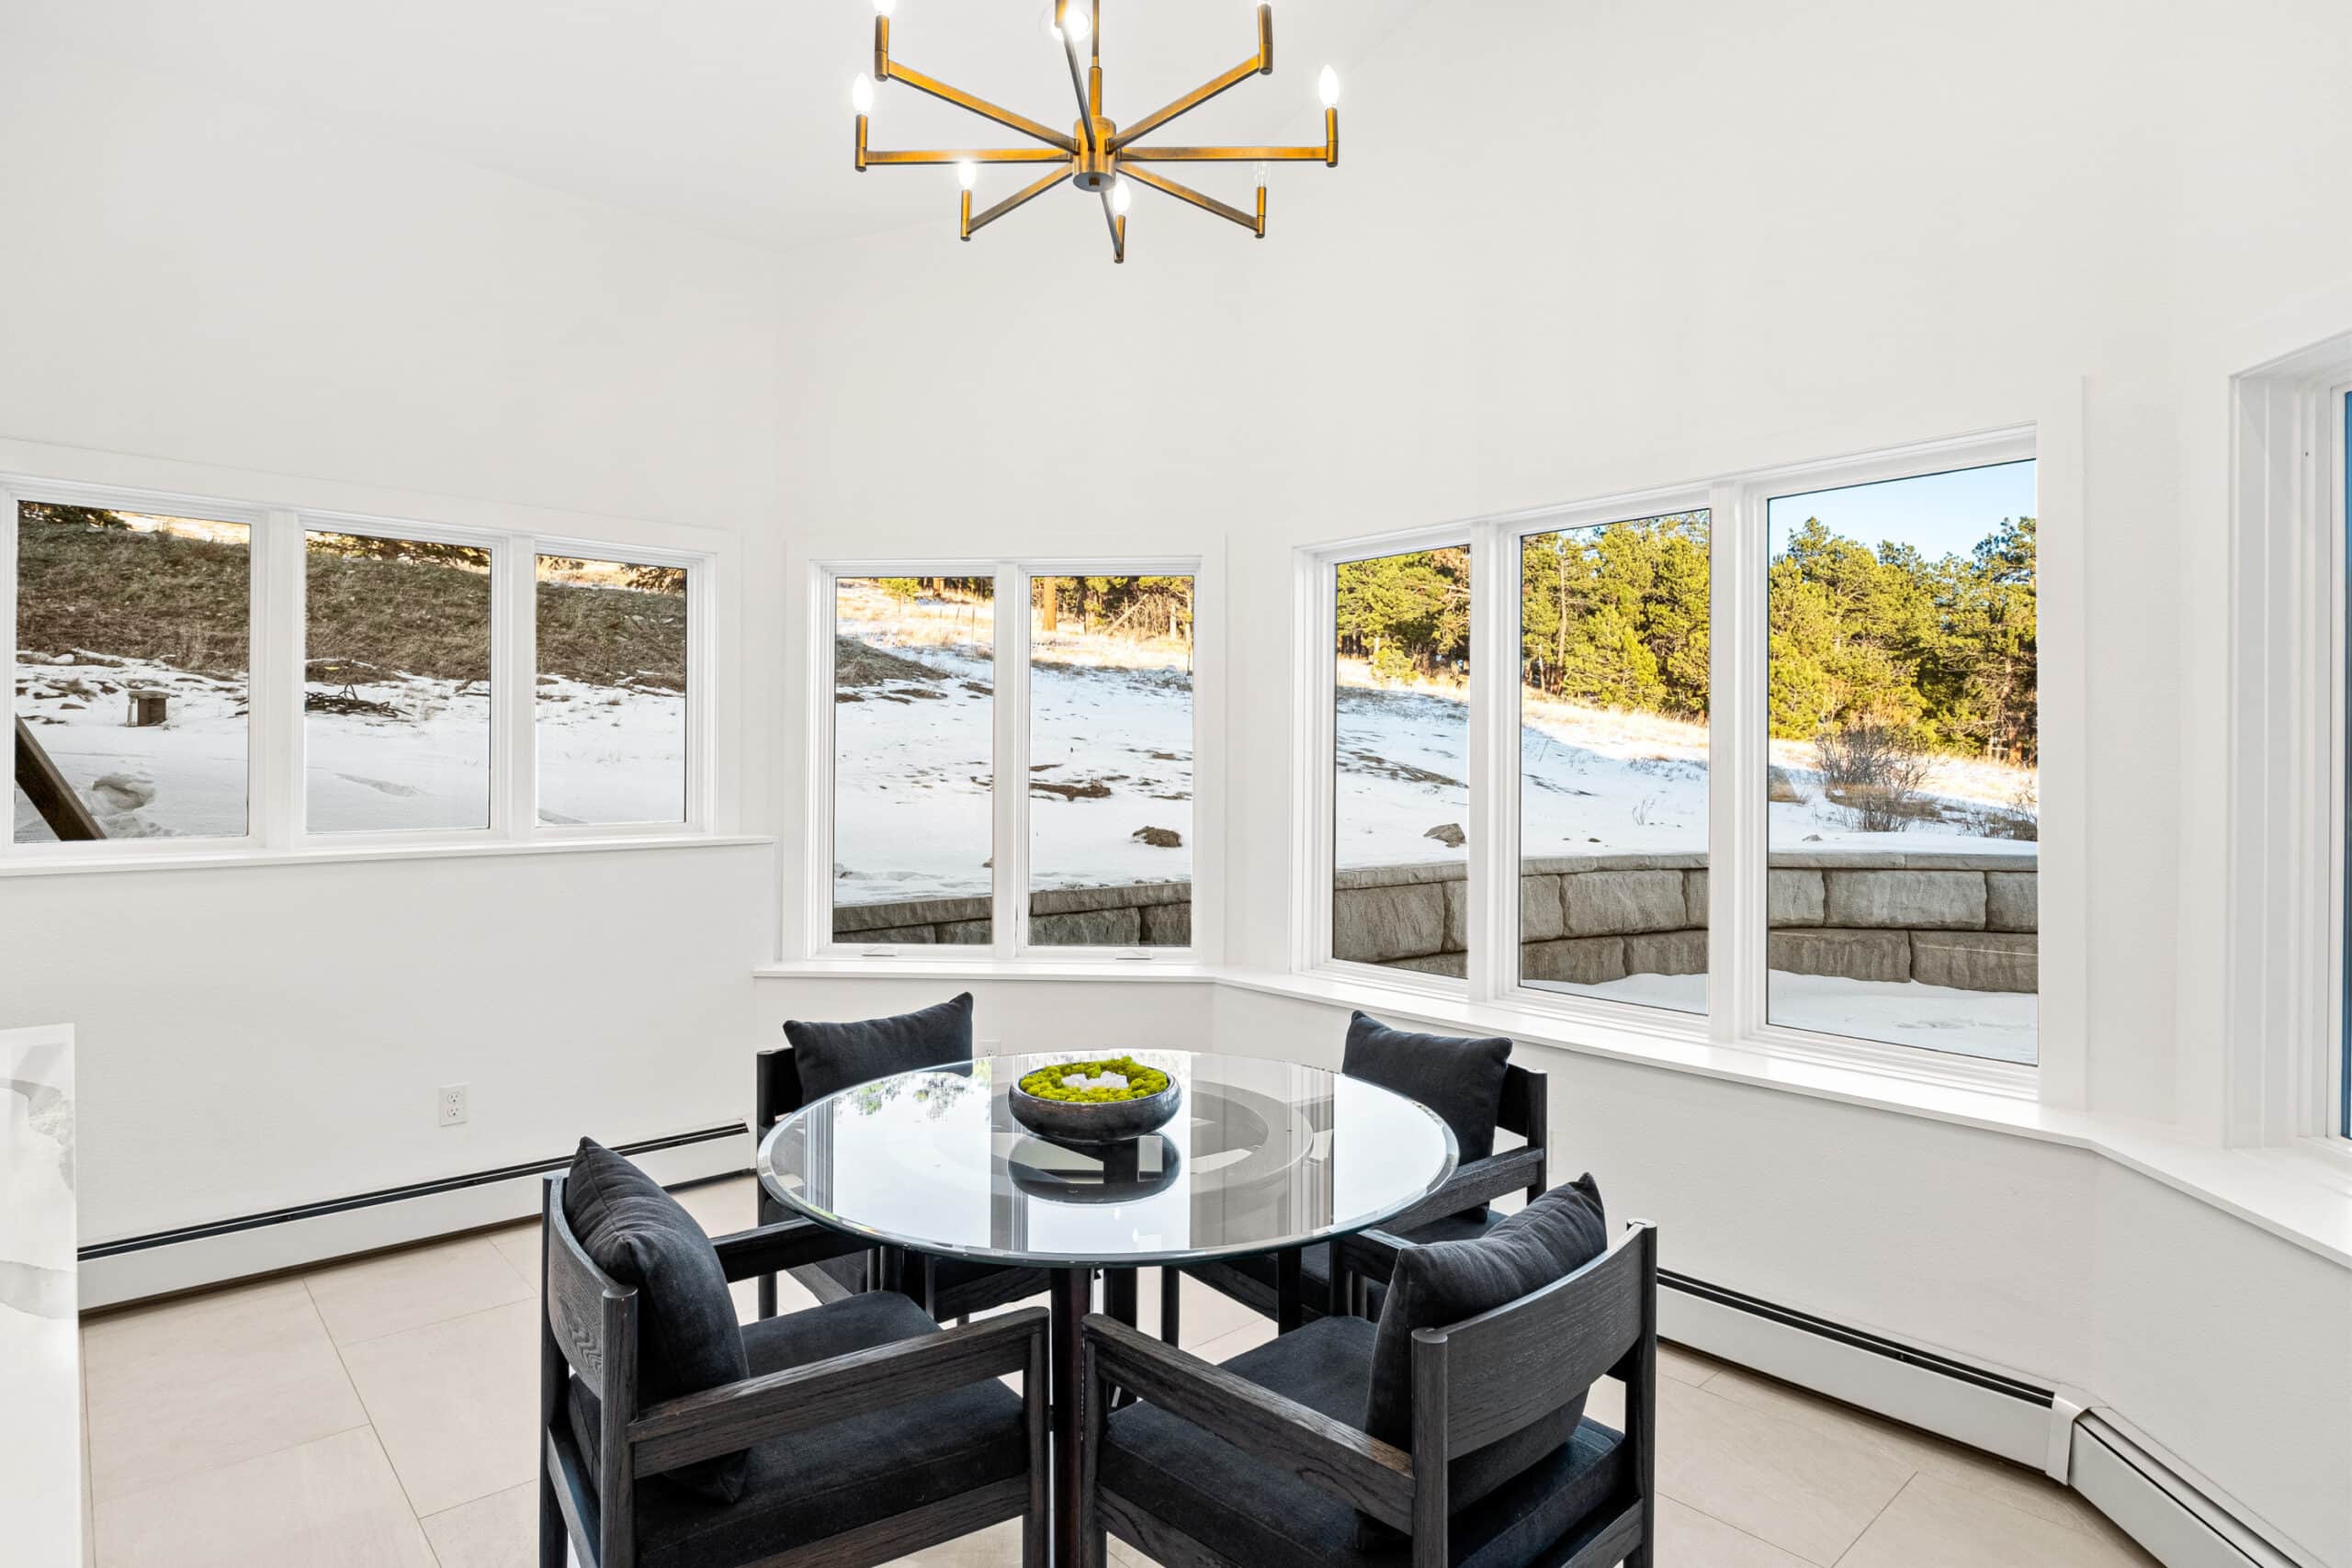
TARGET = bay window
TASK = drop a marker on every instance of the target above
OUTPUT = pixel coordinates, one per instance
(1754, 761)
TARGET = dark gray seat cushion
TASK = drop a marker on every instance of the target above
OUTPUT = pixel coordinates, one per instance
(1449, 1282)
(686, 1338)
(1460, 1080)
(835, 1056)
(1248, 1511)
(820, 1482)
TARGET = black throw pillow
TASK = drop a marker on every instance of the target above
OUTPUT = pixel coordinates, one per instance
(835, 1056)
(1460, 1080)
(686, 1334)
(1447, 1281)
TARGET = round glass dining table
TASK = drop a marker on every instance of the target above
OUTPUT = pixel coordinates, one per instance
(1262, 1157)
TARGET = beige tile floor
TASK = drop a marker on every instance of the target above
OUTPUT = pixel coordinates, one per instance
(378, 1415)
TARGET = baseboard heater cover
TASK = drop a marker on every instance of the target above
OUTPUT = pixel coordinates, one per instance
(130, 1269)
(2179, 1524)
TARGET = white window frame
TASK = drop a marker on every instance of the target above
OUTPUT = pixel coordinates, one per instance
(1009, 713)
(2283, 889)
(1738, 749)
(276, 776)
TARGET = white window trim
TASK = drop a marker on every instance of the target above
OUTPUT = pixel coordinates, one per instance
(277, 782)
(2283, 903)
(1739, 748)
(1010, 947)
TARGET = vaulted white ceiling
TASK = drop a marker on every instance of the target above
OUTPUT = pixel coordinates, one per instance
(729, 116)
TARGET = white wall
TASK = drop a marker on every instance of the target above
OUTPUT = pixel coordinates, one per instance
(202, 293)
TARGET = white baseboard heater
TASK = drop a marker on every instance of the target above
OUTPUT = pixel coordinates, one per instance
(188, 1258)
(2066, 1436)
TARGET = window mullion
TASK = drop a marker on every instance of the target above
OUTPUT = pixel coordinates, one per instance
(1737, 748)
(1009, 796)
(1492, 971)
(274, 697)
(514, 661)
(9, 525)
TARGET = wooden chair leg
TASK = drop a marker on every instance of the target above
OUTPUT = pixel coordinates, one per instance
(767, 1295)
(1171, 1297)
(555, 1536)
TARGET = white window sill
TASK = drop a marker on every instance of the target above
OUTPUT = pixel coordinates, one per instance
(70, 864)
(979, 966)
(2303, 1195)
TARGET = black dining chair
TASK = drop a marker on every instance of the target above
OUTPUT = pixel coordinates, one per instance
(845, 1436)
(1451, 1435)
(1471, 1083)
(818, 1059)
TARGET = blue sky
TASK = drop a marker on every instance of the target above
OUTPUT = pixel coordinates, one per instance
(1940, 513)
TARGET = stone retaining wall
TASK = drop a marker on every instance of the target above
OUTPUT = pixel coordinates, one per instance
(1945, 919)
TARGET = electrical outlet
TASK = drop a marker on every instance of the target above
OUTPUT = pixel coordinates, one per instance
(450, 1101)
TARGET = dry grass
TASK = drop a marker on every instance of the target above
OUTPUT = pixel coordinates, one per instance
(180, 599)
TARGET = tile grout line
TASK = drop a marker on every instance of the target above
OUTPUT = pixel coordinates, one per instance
(377, 1438)
(1864, 1532)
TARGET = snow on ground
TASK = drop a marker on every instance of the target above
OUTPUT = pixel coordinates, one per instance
(1593, 780)
(606, 753)
(1110, 755)
(1996, 1025)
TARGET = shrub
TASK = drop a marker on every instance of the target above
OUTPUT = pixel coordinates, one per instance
(1874, 771)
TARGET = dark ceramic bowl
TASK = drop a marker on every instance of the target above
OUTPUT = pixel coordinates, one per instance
(1097, 1173)
(1096, 1122)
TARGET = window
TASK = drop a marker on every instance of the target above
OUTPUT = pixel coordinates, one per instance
(133, 681)
(1401, 799)
(914, 741)
(1768, 772)
(1614, 650)
(209, 677)
(1077, 681)
(612, 734)
(396, 683)
(1902, 791)
(1111, 761)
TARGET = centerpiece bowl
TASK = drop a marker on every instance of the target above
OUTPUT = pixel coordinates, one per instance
(1114, 1101)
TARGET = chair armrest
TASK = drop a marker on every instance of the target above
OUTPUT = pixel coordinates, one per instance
(771, 1249)
(1474, 1186)
(1360, 1468)
(736, 1416)
(1370, 1255)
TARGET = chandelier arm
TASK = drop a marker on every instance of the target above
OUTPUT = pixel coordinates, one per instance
(1019, 198)
(982, 108)
(1185, 105)
(974, 156)
(1224, 154)
(1078, 86)
(1118, 227)
(1185, 193)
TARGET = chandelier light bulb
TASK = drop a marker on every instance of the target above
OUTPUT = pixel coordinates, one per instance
(1328, 86)
(861, 93)
(884, 7)
(1075, 21)
(968, 173)
(1123, 196)
(1261, 173)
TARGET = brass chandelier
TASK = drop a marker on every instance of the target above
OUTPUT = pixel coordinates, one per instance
(1097, 155)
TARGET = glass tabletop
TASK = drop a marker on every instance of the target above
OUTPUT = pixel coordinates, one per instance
(1262, 1156)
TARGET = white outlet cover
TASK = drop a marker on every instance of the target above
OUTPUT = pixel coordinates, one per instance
(449, 1104)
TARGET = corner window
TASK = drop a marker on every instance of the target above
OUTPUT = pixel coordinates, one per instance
(132, 684)
(947, 682)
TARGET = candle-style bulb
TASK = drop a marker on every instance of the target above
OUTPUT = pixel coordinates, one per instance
(968, 173)
(1328, 86)
(1123, 196)
(884, 7)
(1076, 22)
(861, 93)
